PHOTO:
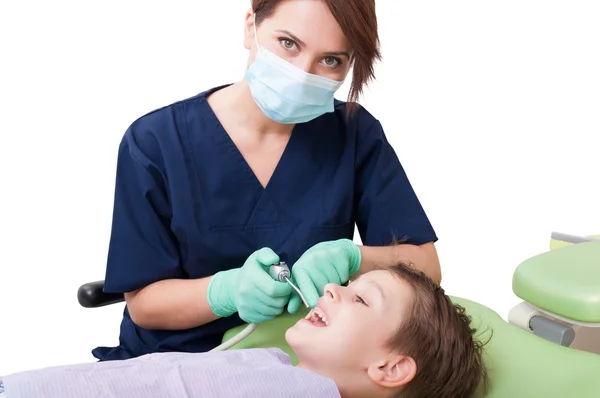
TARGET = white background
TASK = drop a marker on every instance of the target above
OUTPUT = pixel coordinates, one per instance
(493, 108)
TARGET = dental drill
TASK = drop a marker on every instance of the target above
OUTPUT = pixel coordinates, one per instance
(280, 272)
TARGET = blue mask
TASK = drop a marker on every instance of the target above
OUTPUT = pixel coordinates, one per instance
(286, 93)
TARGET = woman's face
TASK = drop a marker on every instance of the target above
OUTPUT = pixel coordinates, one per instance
(304, 33)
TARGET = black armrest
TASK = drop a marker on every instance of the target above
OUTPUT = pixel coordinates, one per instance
(91, 295)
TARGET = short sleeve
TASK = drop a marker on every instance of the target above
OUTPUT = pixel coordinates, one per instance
(387, 207)
(142, 248)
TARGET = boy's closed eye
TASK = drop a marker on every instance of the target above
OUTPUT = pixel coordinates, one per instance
(360, 300)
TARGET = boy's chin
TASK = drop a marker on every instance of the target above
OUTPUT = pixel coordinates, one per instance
(295, 337)
(307, 342)
(300, 337)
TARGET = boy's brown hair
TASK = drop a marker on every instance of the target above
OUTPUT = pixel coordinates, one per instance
(438, 335)
(358, 21)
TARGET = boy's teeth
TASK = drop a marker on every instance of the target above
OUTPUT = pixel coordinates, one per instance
(316, 313)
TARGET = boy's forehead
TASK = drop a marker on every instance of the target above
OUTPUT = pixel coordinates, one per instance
(389, 283)
(397, 288)
(377, 275)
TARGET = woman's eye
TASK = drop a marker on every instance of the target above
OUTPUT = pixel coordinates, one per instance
(331, 62)
(287, 43)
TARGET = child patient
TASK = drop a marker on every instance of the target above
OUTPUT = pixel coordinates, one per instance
(390, 333)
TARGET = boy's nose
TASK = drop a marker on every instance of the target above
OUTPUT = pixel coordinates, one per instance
(332, 292)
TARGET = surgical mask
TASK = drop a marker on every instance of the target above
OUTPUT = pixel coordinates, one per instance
(286, 93)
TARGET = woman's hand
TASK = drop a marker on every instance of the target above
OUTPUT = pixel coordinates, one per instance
(249, 290)
(327, 262)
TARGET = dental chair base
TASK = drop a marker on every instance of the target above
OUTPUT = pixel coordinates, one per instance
(559, 330)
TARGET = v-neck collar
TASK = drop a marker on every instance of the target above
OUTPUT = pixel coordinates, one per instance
(226, 139)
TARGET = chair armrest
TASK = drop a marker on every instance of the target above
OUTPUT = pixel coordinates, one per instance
(92, 295)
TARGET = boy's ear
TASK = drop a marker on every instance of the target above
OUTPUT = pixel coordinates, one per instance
(395, 371)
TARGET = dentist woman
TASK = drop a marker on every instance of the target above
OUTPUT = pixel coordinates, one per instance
(213, 189)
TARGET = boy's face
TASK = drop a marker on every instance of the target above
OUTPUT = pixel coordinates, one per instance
(346, 334)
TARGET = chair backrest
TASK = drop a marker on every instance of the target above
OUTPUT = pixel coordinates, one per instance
(520, 364)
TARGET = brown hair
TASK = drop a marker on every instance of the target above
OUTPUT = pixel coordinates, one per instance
(439, 336)
(358, 21)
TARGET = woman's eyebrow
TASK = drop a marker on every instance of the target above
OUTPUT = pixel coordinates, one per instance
(297, 40)
(292, 36)
(337, 54)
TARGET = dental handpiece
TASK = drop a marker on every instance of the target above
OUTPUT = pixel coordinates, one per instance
(280, 272)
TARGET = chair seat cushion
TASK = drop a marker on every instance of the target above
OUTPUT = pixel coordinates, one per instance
(565, 281)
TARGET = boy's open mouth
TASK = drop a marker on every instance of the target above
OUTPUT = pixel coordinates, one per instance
(317, 317)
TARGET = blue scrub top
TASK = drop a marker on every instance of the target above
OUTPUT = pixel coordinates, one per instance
(187, 205)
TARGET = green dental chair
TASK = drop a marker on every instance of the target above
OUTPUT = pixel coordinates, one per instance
(548, 349)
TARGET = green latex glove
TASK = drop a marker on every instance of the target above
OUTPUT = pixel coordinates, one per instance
(250, 290)
(327, 262)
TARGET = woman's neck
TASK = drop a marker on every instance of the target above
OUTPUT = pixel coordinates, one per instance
(236, 100)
